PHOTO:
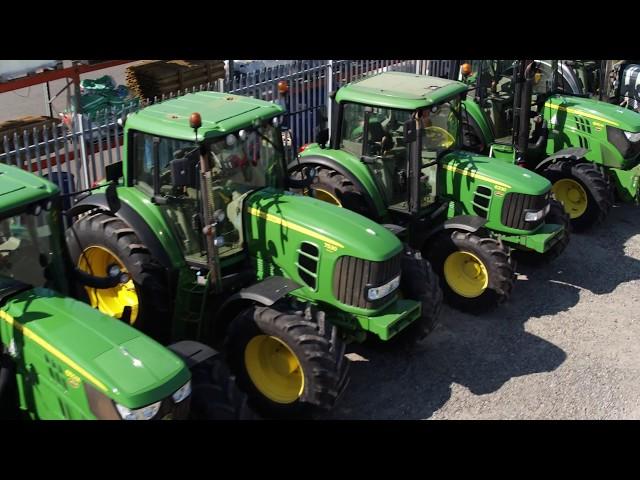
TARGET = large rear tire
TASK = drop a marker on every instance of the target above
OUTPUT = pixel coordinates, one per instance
(583, 191)
(287, 364)
(557, 215)
(476, 273)
(215, 393)
(98, 240)
(333, 187)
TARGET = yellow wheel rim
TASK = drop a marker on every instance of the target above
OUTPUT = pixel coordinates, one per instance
(571, 194)
(466, 274)
(274, 369)
(325, 196)
(111, 301)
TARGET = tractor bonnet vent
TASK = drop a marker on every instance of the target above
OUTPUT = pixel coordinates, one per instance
(308, 256)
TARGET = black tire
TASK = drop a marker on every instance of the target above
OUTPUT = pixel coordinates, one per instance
(419, 282)
(558, 216)
(494, 256)
(149, 278)
(319, 350)
(340, 187)
(9, 409)
(595, 185)
(215, 395)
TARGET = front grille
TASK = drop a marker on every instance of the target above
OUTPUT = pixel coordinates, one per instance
(352, 276)
(514, 207)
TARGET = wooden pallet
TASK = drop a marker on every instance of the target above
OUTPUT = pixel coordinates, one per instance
(160, 77)
(19, 125)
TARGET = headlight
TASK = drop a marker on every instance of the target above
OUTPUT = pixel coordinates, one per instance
(535, 216)
(182, 393)
(632, 137)
(626, 142)
(144, 413)
(382, 291)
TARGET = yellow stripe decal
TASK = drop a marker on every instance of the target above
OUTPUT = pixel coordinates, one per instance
(580, 113)
(293, 226)
(477, 175)
(51, 349)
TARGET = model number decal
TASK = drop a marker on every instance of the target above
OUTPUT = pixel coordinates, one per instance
(330, 247)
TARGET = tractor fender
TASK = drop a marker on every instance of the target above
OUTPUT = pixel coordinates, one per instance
(465, 223)
(129, 216)
(192, 353)
(331, 163)
(267, 292)
(573, 153)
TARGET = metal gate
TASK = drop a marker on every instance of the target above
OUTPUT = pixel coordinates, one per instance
(74, 154)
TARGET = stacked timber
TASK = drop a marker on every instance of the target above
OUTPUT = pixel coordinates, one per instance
(161, 77)
(19, 125)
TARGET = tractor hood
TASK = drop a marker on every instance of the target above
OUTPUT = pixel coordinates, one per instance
(600, 113)
(331, 228)
(116, 359)
(467, 169)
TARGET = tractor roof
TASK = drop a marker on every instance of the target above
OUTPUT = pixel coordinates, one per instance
(18, 187)
(406, 91)
(220, 112)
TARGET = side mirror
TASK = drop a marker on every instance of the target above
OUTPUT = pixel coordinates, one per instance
(183, 169)
(113, 201)
(322, 137)
(410, 132)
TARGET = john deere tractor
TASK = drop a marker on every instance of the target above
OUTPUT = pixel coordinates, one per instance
(220, 251)
(588, 149)
(611, 81)
(59, 358)
(395, 157)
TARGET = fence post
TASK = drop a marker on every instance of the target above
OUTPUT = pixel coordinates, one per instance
(83, 151)
(329, 90)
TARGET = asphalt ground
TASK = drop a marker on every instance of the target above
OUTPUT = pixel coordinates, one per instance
(565, 346)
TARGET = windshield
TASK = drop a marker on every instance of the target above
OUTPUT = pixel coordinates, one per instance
(378, 133)
(27, 246)
(384, 128)
(248, 159)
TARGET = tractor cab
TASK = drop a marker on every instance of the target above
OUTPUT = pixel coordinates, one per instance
(241, 161)
(396, 141)
(28, 240)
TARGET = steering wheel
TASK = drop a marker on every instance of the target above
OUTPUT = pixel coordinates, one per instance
(437, 137)
(236, 161)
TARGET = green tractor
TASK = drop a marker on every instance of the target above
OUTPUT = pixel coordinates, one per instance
(589, 150)
(220, 251)
(62, 359)
(611, 81)
(395, 157)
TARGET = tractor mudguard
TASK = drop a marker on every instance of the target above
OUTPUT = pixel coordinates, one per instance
(330, 163)
(266, 292)
(192, 353)
(129, 216)
(572, 153)
(465, 223)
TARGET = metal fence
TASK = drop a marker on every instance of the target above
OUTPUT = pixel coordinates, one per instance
(73, 154)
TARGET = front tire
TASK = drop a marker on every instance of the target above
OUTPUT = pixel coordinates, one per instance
(583, 191)
(476, 273)
(288, 365)
(215, 393)
(419, 282)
